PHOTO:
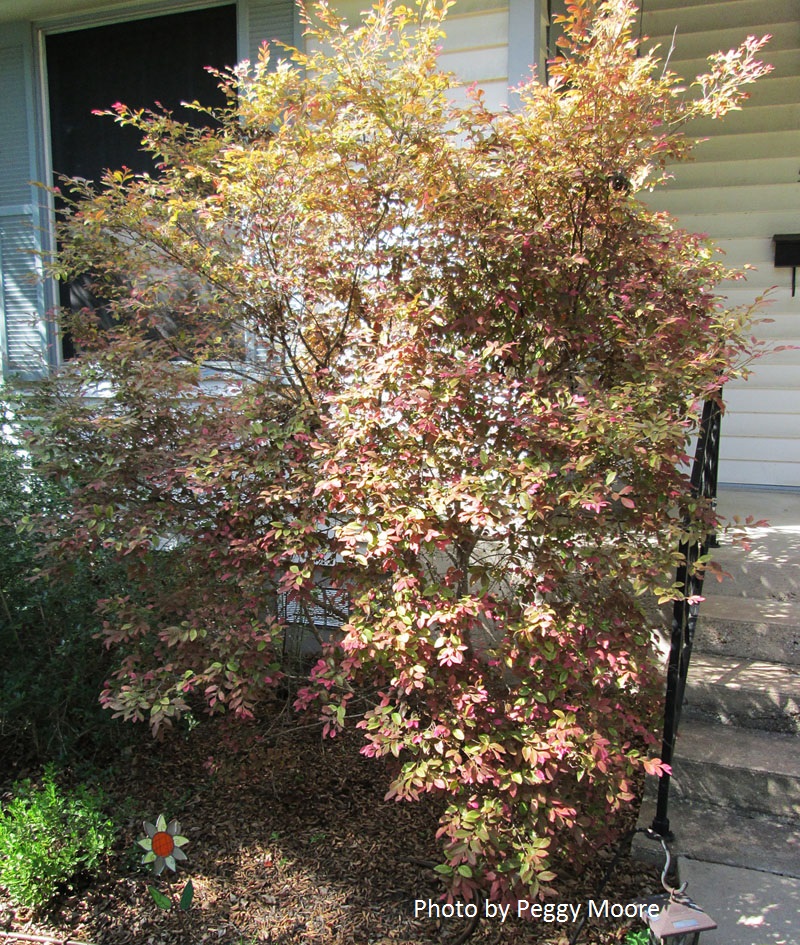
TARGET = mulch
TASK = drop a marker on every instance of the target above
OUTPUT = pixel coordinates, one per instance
(291, 843)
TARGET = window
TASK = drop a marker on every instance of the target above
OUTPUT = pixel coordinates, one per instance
(139, 62)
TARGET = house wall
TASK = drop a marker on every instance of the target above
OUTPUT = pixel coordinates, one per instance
(742, 189)
(477, 48)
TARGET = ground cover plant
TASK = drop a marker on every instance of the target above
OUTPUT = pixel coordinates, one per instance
(48, 836)
(428, 367)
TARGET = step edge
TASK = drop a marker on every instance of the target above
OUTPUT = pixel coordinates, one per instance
(693, 731)
(684, 814)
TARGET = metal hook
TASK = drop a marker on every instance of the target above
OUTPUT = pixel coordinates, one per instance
(673, 892)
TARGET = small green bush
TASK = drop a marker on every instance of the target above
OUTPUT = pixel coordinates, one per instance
(52, 667)
(640, 937)
(47, 837)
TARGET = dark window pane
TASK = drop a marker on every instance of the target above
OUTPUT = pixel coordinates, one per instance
(139, 62)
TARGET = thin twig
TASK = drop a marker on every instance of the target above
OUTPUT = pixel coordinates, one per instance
(416, 861)
(669, 54)
(22, 936)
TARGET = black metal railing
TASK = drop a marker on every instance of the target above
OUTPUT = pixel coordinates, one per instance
(685, 611)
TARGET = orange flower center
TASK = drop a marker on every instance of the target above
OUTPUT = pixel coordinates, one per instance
(163, 844)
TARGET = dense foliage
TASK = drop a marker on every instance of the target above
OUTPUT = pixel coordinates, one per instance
(430, 366)
(51, 667)
(49, 836)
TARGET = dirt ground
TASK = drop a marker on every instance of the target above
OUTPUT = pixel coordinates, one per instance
(291, 843)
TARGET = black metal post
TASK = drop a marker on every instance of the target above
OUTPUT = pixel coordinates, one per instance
(685, 612)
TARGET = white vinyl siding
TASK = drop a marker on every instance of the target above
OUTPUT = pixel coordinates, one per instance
(741, 190)
(475, 47)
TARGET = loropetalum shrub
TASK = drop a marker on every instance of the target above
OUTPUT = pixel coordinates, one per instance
(438, 357)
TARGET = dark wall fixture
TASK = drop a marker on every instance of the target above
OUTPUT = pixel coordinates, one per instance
(787, 254)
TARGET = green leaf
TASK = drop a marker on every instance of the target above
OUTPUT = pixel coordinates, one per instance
(186, 896)
(159, 898)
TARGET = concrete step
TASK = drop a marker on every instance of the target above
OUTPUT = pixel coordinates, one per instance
(768, 569)
(746, 693)
(738, 769)
(737, 746)
(722, 836)
(751, 628)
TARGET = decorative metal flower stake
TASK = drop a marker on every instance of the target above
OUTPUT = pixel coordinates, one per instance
(163, 849)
